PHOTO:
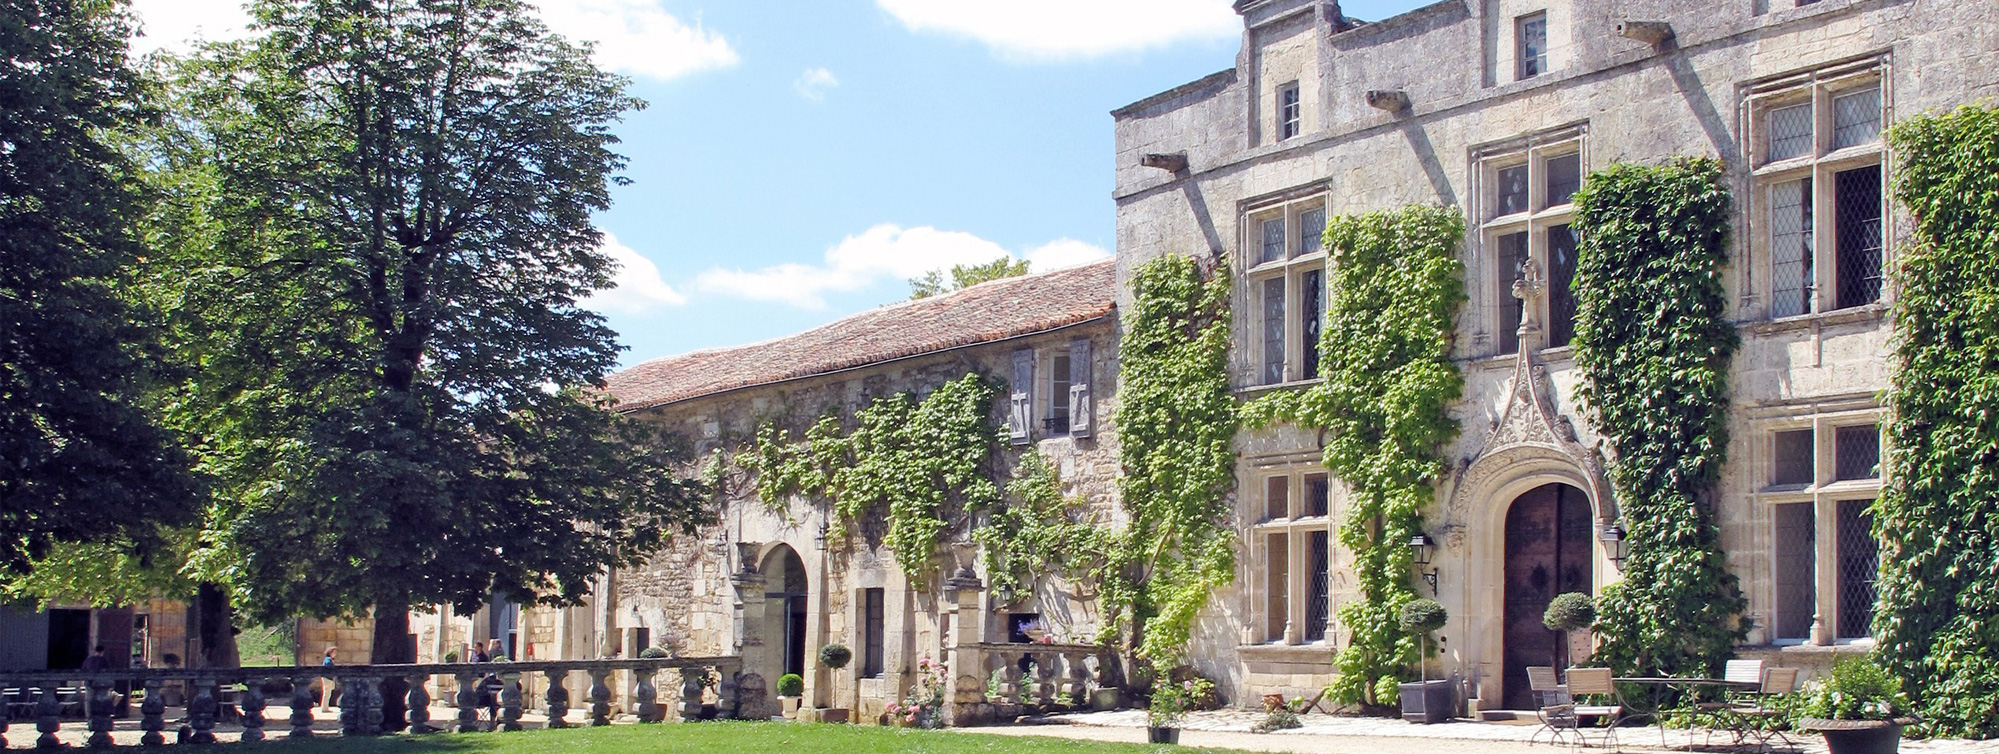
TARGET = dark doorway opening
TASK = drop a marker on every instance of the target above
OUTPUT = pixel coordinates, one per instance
(789, 591)
(1548, 550)
(69, 638)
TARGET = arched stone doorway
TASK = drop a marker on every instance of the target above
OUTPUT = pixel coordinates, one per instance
(786, 596)
(1548, 552)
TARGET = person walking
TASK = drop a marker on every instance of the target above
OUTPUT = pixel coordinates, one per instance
(328, 689)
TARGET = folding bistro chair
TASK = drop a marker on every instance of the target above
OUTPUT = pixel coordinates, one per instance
(1743, 677)
(1552, 705)
(1758, 716)
(1596, 682)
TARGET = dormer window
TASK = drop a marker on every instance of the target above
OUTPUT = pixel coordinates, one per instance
(1531, 31)
(1290, 116)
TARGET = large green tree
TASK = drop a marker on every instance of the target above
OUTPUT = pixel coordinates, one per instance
(80, 458)
(380, 229)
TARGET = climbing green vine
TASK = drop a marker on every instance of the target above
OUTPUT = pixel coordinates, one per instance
(1653, 344)
(1396, 285)
(1938, 615)
(1176, 424)
(1039, 531)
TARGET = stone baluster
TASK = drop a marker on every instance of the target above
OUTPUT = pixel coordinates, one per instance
(468, 701)
(1010, 679)
(645, 696)
(419, 704)
(371, 709)
(557, 698)
(152, 714)
(351, 699)
(600, 696)
(99, 706)
(510, 701)
(301, 718)
(201, 711)
(252, 708)
(48, 718)
(1044, 680)
(1079, 678)
(690, 693)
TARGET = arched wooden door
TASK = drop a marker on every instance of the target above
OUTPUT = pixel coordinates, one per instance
(1548, 552)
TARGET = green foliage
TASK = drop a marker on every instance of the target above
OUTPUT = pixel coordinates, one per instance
(377, 232)
(1569, 611)
(1040, 531)
(650, 653)
(1653, 344)
(1172, 700)
(1176, 424)
(1396, 285)
(921, 465)
(1422, 615)
(1281, 718)
(835, 655)
(81, 457)
(1938, 615)
(790, 684)
(1857, 689)
(965, 276)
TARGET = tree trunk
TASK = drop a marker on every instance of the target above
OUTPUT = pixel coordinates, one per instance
(214, 629)
(393, 646)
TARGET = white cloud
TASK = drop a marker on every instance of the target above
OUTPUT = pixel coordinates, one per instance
(1040, 30)
(636, 286)
(813, 83)
(634, 37)
(884, 251)
(637, 37)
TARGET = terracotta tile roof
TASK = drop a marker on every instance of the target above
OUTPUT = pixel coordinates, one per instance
(983, 313)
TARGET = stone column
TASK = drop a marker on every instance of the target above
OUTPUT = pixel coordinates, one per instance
(600, 696)
(301, 706)
(153, 714)
(48, 718)
(557, 698)
(468, 701)
(419, 704)
(252, 709)
(966, 703)
(510, 701)
(645, 696)
(752, 701)
(690, 693)
(1079, 678)
(99, 706)
(201, 711)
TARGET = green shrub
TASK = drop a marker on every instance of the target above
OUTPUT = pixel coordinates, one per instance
(835, 655)
(1281, 718)
(1569, 611)
(652, 653)
(790, 684)
(1421, 616)
(1858, 689)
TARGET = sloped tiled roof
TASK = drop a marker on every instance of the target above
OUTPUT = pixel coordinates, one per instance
(983, 313)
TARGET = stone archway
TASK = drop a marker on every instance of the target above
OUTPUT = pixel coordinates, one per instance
(787, 593)
(1549, 550)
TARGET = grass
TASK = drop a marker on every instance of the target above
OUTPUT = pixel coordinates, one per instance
(702, 738)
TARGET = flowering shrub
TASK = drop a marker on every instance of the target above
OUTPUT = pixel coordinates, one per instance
(1858, 689)
(1171, 701)
(924, 707)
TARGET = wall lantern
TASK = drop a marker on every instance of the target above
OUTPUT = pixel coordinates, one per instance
(819, 540)
(1614, 544)
(1424, 548)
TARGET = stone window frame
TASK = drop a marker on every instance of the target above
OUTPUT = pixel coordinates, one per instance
(1824, 494)
(1521, 60)
(1290, 110)
(1817, 87)
(1303, 256)
(1493, 285)
(1031, 402)
(1297, 524)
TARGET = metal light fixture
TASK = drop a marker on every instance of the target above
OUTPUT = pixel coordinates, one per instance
(819, 540)
(1424, 548)
(1614, 544)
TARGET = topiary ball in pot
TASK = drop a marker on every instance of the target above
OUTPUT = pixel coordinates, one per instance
(652, 653)
(790, 684)
(1569, 611)
(835, 655)
(1421, 616)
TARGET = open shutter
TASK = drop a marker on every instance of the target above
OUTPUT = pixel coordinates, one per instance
(1079, 388)
(1020, 411)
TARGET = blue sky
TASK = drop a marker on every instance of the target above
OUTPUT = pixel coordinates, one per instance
(801, 159)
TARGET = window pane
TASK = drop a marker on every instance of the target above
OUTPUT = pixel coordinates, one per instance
(1313, 301)
(1277, 587)
(1856, 118)
(1317, 495)
(1058, 393)
(1791, 457)
(1512, 191)
(1791, 248)
(873, 625)
(1317, 593)
(1512, 266)
(1857, 218)
(1561, 278)
(1277, 497)
(1859, 561)
(1533, 31)
(1788, 132)
(1796, 544)
(1288, 111)
(1311, 230)
(1273, 331)
(1856, 452)
(1565, 176)
(1273, 240)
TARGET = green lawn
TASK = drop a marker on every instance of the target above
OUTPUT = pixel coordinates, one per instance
(702, 738)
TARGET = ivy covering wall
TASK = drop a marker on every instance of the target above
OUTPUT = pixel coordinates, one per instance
(1654, 346)
(1938, 520)
(1176, 424)
(1395, 288)
(1040, 531)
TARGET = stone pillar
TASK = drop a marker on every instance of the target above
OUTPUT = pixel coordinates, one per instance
(645, 696)
(690, 693)
(98, 706)
(201, 711)
(557, 698)
(1076, 663)
(755, 653)
(48, 718)
(153, 714)
(301, 706)
(468, 701)
(600, 696)
(252, 708)
(419, 704)
(510, 701)
(351, 697)
(966, 702)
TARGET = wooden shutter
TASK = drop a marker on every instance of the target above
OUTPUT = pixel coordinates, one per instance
(1020, 411)
(1079, 388)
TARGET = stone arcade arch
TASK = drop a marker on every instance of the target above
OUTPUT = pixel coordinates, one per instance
(787, 595)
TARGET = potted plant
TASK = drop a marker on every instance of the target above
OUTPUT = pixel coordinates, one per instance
(1170, 702)
(834, 656)
(1568, 613)
(1425, 701)
(1859, 708)
(789, 688)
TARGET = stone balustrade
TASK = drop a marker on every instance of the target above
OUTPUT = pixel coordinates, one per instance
(1008, 680)
(54, 692)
